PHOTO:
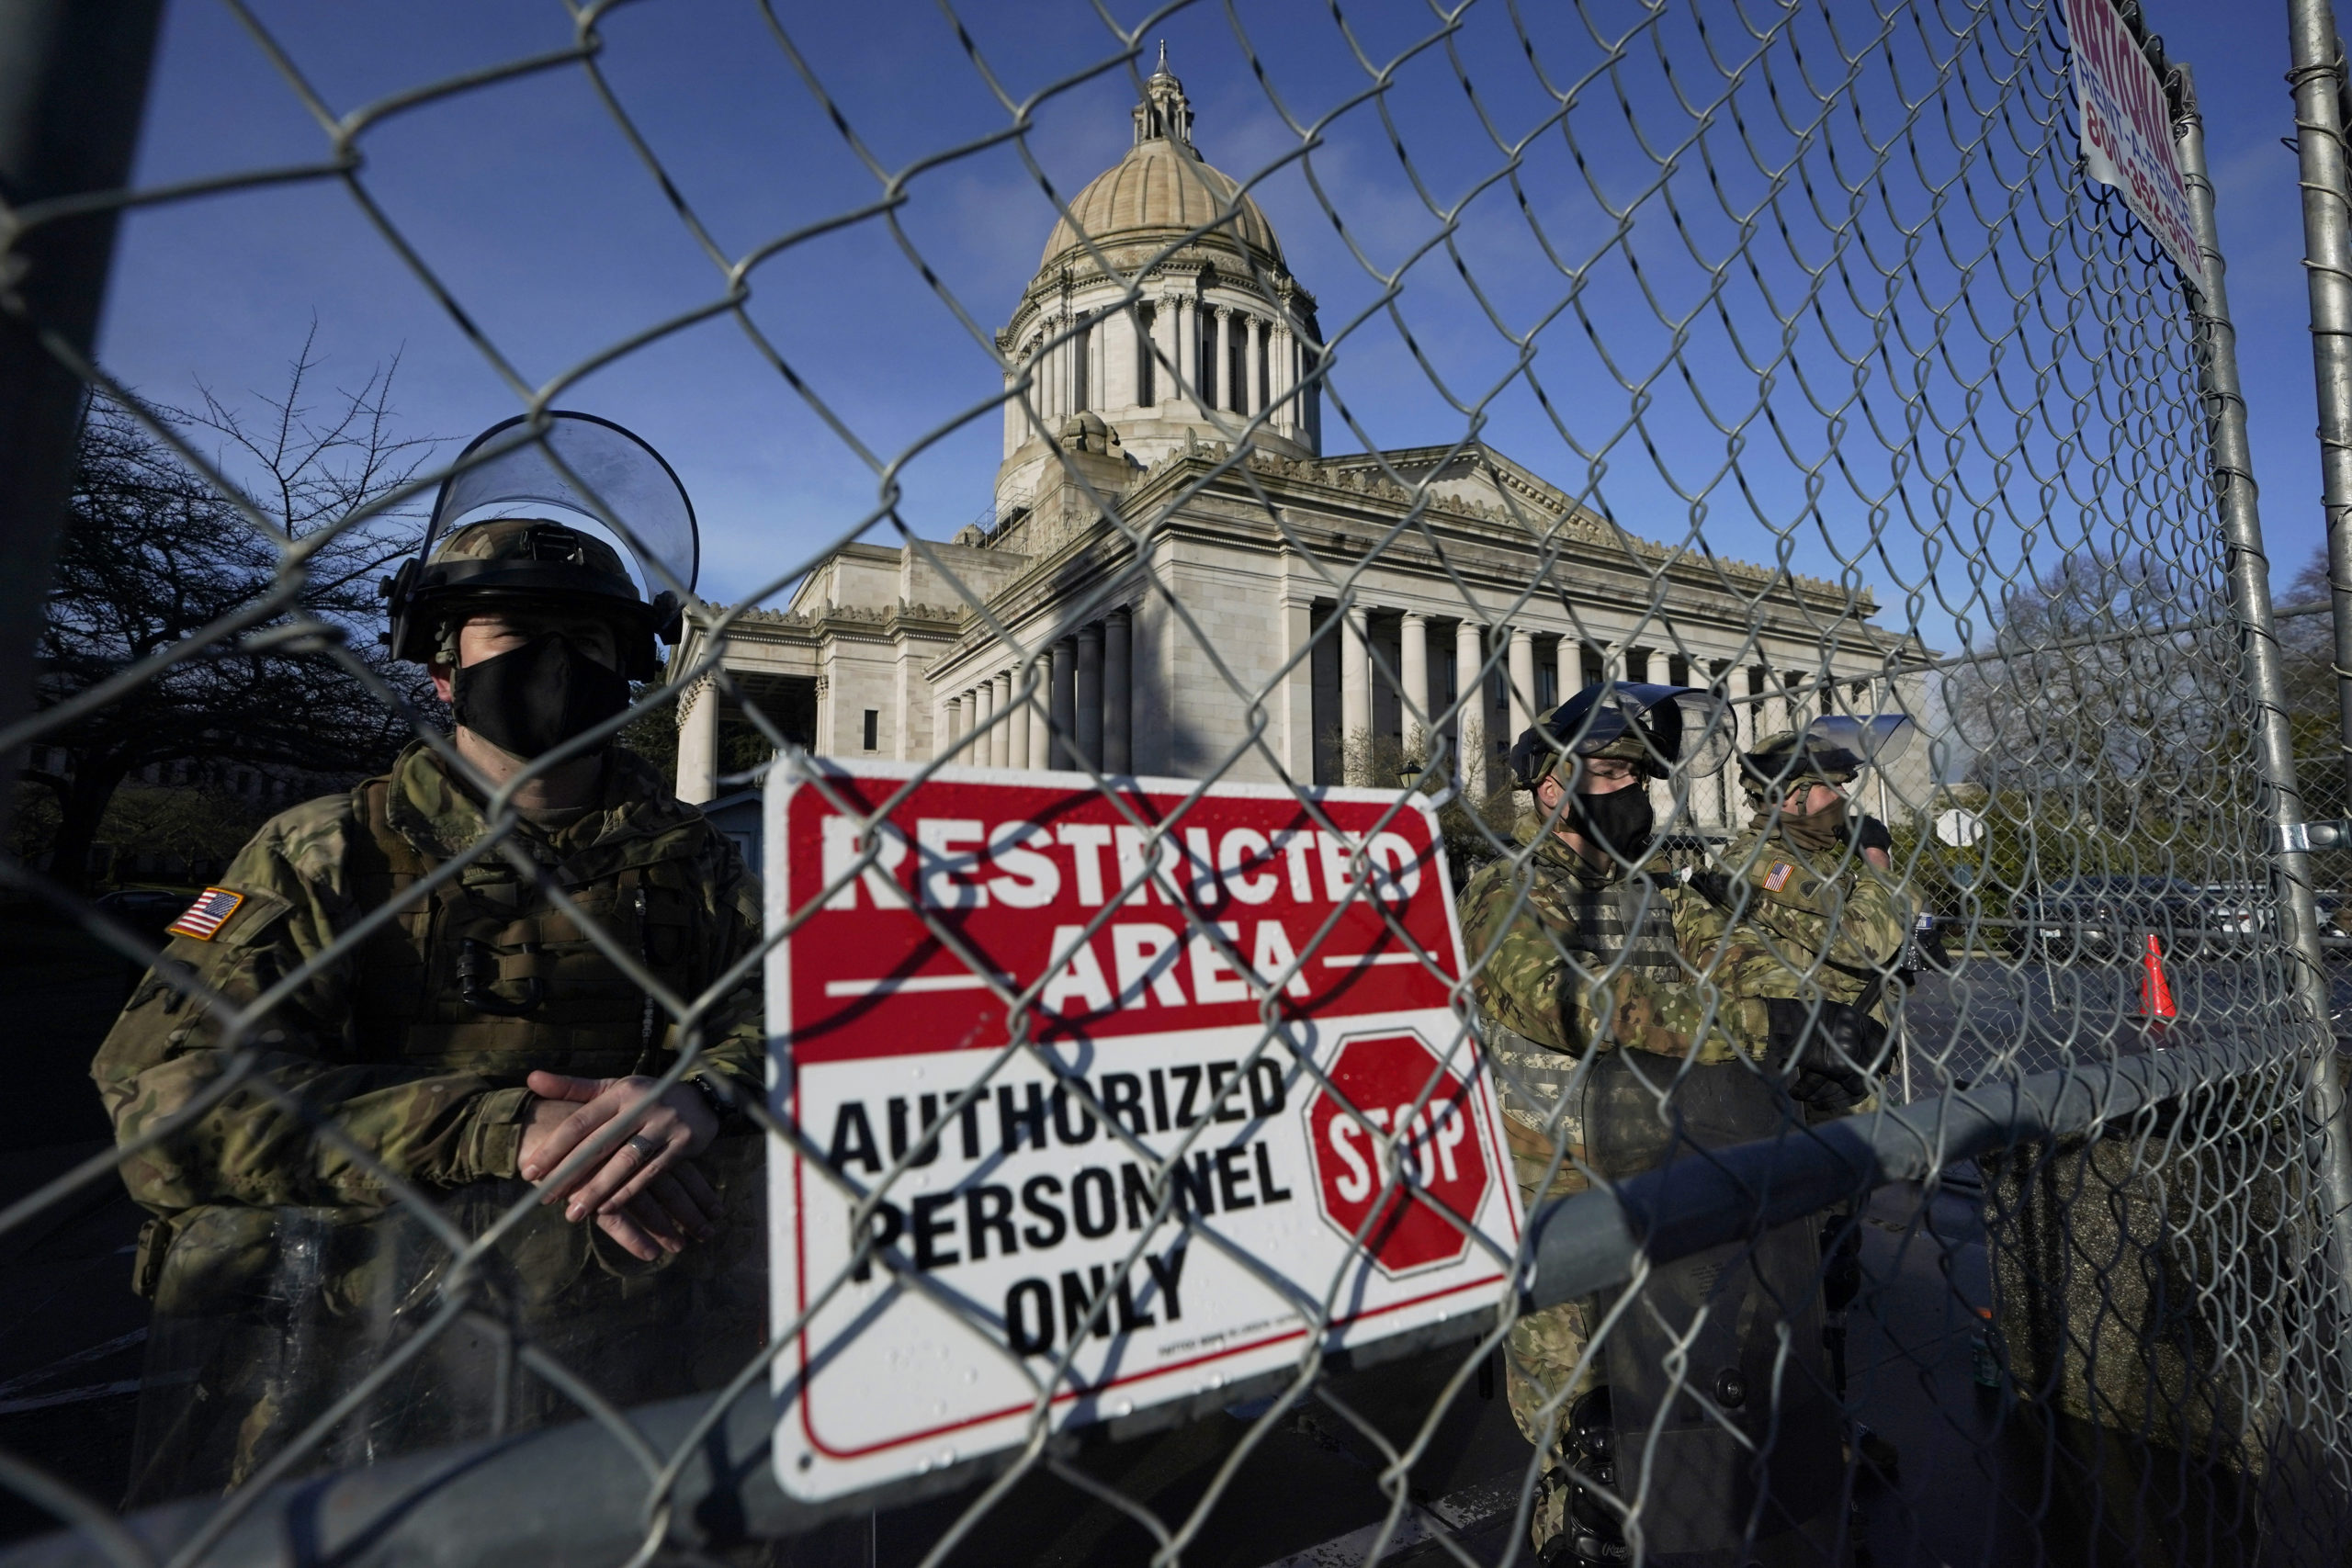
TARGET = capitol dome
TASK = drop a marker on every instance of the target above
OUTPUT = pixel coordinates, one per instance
(1157, 195)
(1161, 315)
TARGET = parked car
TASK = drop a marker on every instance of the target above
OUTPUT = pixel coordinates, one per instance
(2107, 917)
(2238, 912)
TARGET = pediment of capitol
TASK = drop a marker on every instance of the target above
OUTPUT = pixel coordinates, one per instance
(1168, 547)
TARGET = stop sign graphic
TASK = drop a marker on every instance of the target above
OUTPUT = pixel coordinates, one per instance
(1395, 1083)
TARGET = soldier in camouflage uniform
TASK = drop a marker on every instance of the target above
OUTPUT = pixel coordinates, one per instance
(1810, 927)
(1574, 951)
(465, 1048)
(1814, 926)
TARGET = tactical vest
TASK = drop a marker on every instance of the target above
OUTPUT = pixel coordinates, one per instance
(485, 974)
(1611, 920)
(1628, 916)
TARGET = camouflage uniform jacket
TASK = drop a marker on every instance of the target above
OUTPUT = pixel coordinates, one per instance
(1544, 932)
(387, 1043)
(1799, 923)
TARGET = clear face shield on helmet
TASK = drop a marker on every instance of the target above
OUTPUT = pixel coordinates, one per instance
(1636, 731)
(1668, 732)
(592, 468)
(628, 548)
(1871, 743)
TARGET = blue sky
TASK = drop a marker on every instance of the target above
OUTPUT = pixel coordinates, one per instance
(526, 200)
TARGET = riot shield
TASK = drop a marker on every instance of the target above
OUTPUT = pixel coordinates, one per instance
(266, 1319)
(1727, 1430)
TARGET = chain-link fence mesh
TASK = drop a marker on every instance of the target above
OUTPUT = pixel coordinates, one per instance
(1904, 1049)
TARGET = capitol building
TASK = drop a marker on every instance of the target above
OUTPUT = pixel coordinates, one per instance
(1168, 542)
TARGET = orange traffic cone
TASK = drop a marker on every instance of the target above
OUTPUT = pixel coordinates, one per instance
(2155, 995)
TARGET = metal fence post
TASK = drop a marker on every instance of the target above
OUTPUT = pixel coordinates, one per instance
(2317, 77)
(73, 82)
(2250, 599)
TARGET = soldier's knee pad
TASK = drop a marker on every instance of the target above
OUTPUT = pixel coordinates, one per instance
(1592, 1533)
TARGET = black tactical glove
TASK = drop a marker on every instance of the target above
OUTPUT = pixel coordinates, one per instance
(1869, 833)
(1830, 1042)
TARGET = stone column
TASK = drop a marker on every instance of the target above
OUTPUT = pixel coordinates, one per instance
(1568, 666)
(1049, 364)
(1254, 332)
(1309, 418)
(1022, 429)
(1041, 716)
(951, 724)
(1118, 689)
(1017, 748)
(983, 732)
(1000, 751)
(1298, 713)
(1772, 713)
(1522, 683)
(1284, 420)
(1163, 341)
(1413, 665)
(1125, 385)
(1031, 412)
(1355, 696)
(1089, 693)
(1470, 685)
(1047, 375)
(1715, 675)
(1098, 364)
(1065, 704)
(1188, 349)
(698, 743)
(1216, 375)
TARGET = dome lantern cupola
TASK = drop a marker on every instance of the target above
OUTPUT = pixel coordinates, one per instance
(1165, 113)
(1164, 306)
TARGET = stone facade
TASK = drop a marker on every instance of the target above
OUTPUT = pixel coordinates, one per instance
(1149, 590)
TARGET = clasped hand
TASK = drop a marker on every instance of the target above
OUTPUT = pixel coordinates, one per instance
(645, 1194)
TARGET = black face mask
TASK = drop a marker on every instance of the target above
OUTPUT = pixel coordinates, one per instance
(1618, 821)
(531, 699)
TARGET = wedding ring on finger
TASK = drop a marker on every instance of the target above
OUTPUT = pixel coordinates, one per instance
(645, 1147)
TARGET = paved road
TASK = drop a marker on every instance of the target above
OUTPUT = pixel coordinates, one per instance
(1991, 1018)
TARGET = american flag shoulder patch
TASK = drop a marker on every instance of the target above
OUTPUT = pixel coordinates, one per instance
(204, 918)
(1777, 878)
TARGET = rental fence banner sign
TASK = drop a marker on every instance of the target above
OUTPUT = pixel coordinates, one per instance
(2126, 128)
(1135, 1091)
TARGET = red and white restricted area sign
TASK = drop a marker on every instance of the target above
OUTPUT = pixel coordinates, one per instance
(1018, 1213)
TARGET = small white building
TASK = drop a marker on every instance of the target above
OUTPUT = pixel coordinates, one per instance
(1167, 542)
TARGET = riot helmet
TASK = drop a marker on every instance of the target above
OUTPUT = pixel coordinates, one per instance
(602, 474)
(1832, 750)
(1656, 727)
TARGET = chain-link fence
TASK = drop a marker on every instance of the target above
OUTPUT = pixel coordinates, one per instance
(1231, 1060)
